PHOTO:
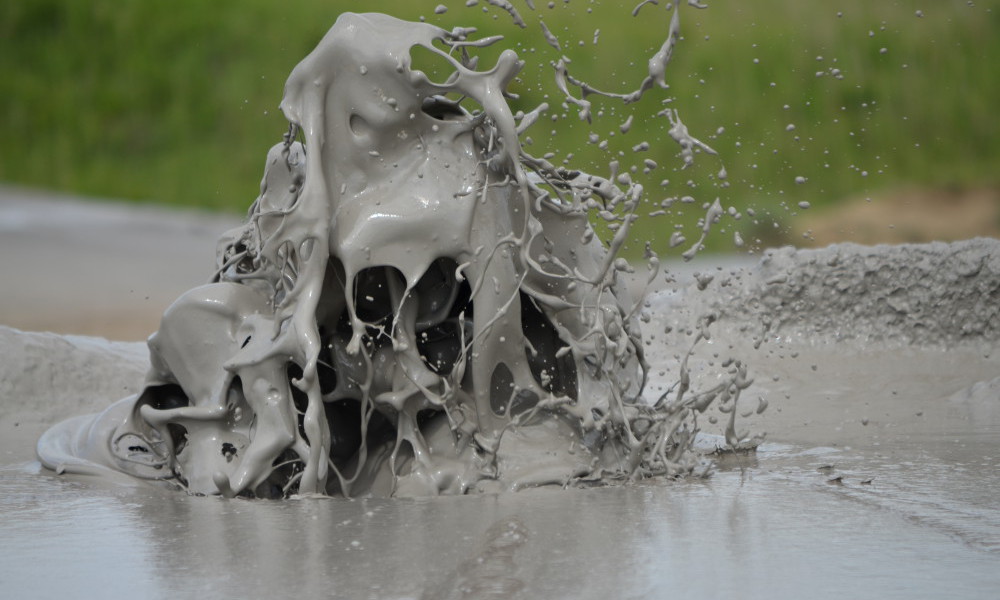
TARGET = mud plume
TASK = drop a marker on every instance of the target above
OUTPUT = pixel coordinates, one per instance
(415, 306)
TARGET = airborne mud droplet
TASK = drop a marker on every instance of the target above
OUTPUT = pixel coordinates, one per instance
(415, 305)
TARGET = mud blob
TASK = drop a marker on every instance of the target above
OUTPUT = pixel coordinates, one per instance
(415, 306)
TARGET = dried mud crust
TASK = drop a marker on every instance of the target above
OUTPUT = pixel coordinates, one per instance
(930, 294)
(45, 378)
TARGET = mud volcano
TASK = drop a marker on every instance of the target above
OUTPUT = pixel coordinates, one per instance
(415, 306)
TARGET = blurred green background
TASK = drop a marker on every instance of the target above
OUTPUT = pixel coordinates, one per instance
(886, 104)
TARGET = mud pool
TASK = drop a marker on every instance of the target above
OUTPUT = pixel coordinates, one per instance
(879, 478)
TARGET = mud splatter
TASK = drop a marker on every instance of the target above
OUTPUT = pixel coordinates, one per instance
(415, 305)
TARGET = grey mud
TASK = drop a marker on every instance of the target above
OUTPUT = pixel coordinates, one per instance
(414, 306)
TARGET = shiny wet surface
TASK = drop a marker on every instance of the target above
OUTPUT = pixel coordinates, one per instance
(879, 479)
(798, 520)
(755, 533)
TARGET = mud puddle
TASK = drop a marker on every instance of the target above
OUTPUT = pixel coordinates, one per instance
(877, 480)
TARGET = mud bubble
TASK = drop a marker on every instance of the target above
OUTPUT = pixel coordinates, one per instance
(414, 306)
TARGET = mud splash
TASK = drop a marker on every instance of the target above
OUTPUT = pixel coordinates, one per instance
(415, 306)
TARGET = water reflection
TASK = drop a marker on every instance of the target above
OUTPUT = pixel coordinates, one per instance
(776, 529)
(66, 539)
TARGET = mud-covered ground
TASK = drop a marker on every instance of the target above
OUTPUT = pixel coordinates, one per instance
(879, 477)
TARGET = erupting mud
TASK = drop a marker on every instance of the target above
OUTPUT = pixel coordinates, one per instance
(415, 306)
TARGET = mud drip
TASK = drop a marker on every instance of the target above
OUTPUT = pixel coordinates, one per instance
(415, 306)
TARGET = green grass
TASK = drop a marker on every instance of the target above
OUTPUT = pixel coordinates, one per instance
(176, 101)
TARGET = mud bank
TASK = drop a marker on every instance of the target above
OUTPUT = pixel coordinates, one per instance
(46, 378)
(929, 294)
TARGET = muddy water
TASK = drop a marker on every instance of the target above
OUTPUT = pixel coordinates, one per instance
(879, 479)
(757, 534)
(879, 476)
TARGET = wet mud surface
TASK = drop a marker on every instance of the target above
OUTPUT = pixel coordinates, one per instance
(904, 505)
(757, 533)
(878, 478)
(874, 371)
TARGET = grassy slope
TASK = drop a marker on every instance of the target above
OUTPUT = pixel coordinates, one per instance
(175, 101)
